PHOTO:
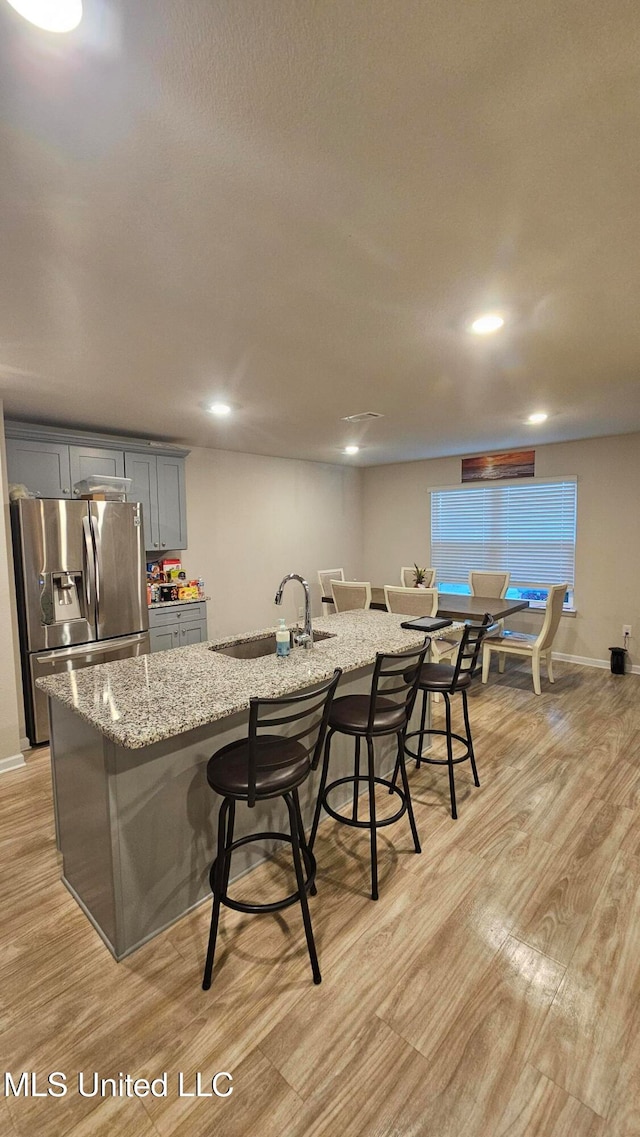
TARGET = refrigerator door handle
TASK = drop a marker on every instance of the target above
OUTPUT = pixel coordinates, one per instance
(90, 579)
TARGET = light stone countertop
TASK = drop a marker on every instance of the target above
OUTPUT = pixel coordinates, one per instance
(171, 603)
(149, 698)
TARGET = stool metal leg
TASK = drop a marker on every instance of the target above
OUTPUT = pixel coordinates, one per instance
(400, 762)
(323, 782)
(218, 891)
(423, 723)
(472, 757)
(228, 843)
(303, 841)
(372, 821)
(304, 902)
(452, 787)
(356, 784)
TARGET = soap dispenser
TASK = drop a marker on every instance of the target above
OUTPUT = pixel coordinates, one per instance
(283, 640)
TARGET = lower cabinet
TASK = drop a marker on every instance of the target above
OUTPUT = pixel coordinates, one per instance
(177, 625)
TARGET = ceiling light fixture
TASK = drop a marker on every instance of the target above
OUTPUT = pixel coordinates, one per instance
(51, 15)
(220, 409)
(351, 449)
(539, 416)
(484, 325)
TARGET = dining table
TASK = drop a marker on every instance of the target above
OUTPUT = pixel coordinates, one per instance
(456, 606)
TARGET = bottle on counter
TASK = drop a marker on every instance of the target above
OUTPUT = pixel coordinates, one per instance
(283, 640)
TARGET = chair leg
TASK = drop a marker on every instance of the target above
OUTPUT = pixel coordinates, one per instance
(372, 821)
(227, 847)
(550, 667)
(323, 782)
(535, 667)
(407, 794)
(452, 787)
(472, 757)
(356, 784)
(502, 659)
(486, 663)
(218, 890)
(302, 892)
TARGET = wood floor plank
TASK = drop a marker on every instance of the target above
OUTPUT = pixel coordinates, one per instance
(593, 1017)
(539, 1108)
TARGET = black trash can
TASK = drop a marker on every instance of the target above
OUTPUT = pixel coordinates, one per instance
(618, 656)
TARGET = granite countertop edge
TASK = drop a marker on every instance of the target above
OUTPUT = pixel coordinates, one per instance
(146, 699)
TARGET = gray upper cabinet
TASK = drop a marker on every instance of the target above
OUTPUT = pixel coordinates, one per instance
(143, 470)
(87, 461)
(172, 505)
(43, 467)
(158, 482)
(49, 460)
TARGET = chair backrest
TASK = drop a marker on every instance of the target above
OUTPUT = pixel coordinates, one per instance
(325, 576)
(408, 577)
(469, 651)
(484, 583)
(305, 716)
(395, 680)
(553, 612)
(411, 601)
(350, 594)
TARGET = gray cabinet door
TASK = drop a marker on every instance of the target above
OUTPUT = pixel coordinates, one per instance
(89, 460)
(164, 638)
(43, 467)
(142, 468)
(194, 632)
(172, 506)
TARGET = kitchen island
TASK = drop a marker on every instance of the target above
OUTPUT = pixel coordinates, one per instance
(130, 742)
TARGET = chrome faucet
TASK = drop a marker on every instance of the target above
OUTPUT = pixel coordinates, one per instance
(301, 639)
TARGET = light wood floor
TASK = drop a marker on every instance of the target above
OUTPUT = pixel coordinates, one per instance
(493, 989)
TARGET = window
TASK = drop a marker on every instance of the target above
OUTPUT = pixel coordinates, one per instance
(529, 530)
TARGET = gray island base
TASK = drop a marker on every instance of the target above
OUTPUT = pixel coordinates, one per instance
(136, 821)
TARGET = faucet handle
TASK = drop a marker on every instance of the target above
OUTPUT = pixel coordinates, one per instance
(302, 639)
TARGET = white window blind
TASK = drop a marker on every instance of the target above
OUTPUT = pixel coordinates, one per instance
(529, 530)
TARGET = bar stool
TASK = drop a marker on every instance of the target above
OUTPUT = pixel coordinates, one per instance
(447, 679)
(385, 711)
(263, 766)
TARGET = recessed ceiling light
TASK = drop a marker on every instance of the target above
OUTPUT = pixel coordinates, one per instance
(484, 325)
(51, 15)
(351, 449)
(220, 409)
(539, 416)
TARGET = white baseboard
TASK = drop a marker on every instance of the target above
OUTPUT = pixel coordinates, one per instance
(585, 661)
(13, 762)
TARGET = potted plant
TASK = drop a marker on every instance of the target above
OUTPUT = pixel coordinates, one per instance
(419, 575)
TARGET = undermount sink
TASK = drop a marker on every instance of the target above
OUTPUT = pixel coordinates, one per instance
(264, 645)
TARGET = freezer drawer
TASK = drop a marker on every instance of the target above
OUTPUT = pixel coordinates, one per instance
(71, 659)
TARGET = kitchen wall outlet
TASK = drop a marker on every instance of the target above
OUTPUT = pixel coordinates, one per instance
(626, 630)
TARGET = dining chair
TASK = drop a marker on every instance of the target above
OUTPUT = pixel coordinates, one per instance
(325, 576)
(523, 644)
(408, 577)
(351, 594)
(420, 602)
(483, 583)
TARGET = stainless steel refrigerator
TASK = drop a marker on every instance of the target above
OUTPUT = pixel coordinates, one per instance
(81, 589)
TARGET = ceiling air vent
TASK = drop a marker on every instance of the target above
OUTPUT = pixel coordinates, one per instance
(362, 417)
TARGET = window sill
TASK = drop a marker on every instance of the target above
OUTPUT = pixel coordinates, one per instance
(539, 606)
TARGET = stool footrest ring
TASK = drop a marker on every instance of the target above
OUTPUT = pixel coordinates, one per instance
(275, 905)
(437, 761)
(380, 822)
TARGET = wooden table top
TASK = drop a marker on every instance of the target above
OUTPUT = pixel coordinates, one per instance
(457, 607)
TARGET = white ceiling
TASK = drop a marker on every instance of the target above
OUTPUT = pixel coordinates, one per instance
(299, 204)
